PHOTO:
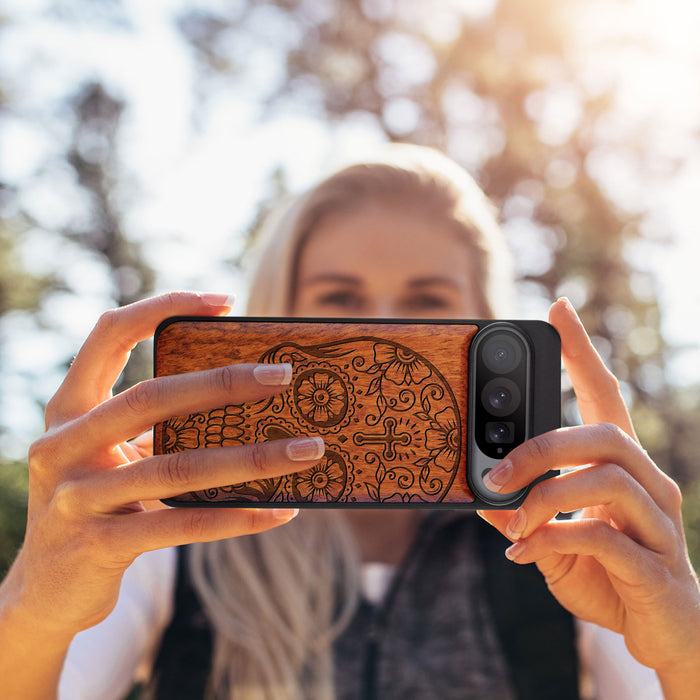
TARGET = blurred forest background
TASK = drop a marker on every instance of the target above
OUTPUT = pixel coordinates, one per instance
(580, 119)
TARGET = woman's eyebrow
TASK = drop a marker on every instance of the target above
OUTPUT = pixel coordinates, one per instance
(333, 277)
(434, 281)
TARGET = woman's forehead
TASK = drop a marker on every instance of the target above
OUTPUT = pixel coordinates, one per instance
(384, 236)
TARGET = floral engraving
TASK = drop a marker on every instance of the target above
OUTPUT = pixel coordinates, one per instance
(324, 482)
(321, 397)
(442, 438)
(181, 433)
(399, 364)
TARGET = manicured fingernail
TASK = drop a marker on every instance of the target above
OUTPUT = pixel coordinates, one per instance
(569, 306)
(306, 448)
(218, 299)
(499, 476)
(273, 375)
(285, 514)
(515, 550)
(517, 525)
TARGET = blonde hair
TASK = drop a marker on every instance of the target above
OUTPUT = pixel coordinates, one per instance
(277, 600)
(404, 175)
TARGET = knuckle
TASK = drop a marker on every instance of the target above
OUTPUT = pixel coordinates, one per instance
(258, 520)
(611, 383)
(43, 455)
(610, 432)
(141, 397)
(539, 448)
(38, 455)
(174, 299)
(258, 460)
(196, 525)
(176, 471)
(601, 533)
(542, 494)
(674, 495)
(226, 379)
(617, 478)
(107, 322)
(67, 498)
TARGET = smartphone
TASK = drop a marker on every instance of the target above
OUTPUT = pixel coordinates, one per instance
(413, 413)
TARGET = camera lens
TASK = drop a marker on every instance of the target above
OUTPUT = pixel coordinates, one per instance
(502, 353)
(500, 396)
(499, 432)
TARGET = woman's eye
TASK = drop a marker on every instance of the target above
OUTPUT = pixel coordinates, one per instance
(427, 302)
(341, 300)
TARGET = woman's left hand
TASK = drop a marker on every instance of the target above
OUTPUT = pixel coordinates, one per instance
(623, 564)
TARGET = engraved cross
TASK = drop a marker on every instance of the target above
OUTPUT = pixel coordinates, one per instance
(388, 439)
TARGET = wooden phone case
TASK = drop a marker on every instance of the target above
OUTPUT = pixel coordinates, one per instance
(390, 400)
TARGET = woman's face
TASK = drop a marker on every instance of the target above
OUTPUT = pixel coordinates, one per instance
(385, 261)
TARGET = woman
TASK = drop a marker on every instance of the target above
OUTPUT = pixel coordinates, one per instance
(411, 236)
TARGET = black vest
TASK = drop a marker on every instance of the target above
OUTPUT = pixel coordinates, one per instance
(417, 645)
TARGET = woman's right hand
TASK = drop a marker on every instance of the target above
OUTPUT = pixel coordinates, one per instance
(86, 517)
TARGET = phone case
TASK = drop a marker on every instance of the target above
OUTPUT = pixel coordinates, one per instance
(389, 398)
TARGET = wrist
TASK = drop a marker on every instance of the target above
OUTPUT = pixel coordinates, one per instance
(682, 681)
(32, 657)
(18, 618)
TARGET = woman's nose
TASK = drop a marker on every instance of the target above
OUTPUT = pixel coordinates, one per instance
(382, 308)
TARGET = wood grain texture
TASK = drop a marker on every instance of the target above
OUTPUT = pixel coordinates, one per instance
(389, 400)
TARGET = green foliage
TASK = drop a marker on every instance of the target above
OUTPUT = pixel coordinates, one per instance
(483, 87)
(18, 289)
(14, 484)
(691, 521)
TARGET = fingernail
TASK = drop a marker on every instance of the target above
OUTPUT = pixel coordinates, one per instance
(517, 525)
(285, 514)
(499, 476)
(218, 299)
(515, 550)
(569, 306)
(306, 448)
(273, 375)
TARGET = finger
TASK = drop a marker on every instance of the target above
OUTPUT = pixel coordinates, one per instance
(143, 444)
(102, 357)
(497, 518)
(614, 550)
(156, 400)
(170, 475)
(579, 445)
(156, 529)
(596, 388)
(606, 486)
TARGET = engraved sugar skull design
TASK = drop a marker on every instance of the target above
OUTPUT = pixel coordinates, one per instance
(389, 419)
(380, 407)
